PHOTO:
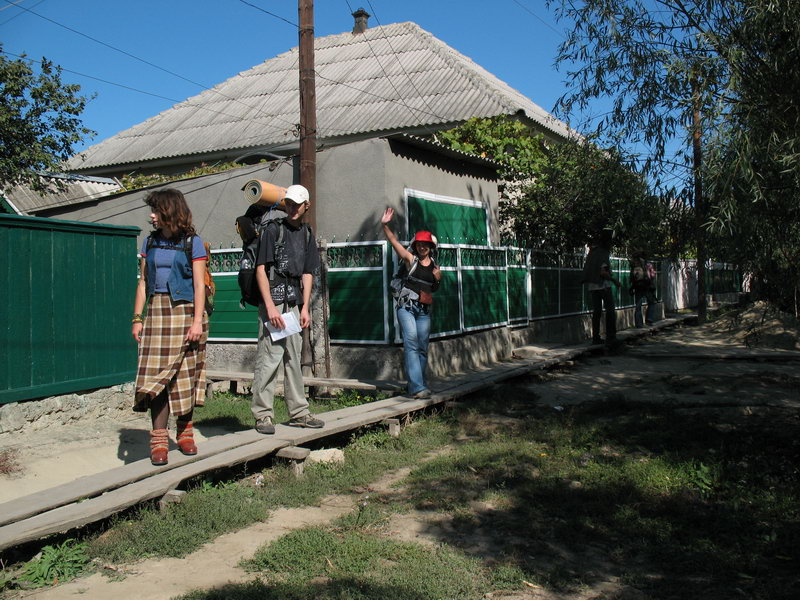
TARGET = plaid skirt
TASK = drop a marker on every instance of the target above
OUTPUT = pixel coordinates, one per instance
(167, 361)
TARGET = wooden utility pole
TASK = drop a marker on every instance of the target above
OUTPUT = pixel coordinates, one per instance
(308, 108)
(699, 205)
(308, 144)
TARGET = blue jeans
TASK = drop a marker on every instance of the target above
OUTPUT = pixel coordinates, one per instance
(415, 326)
(640, 295)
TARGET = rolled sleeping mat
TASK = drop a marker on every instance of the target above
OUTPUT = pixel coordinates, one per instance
(264, 193)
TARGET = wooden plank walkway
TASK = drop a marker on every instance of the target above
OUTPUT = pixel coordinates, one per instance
(95, 497)
(346, 384)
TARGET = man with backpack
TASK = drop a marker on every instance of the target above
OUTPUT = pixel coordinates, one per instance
(287, 259)
(597, 277)
(643, 285)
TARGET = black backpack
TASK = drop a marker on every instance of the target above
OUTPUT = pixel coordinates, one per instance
(250, 227)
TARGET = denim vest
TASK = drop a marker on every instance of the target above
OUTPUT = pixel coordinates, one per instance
(180, 282)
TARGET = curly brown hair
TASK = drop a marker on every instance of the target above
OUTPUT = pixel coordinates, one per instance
(172, 210)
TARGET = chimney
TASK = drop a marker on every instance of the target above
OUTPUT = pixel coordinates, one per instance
(361, 16)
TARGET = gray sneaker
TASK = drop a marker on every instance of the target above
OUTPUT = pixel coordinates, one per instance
(265, 426)
(308, 420)
(426, 393)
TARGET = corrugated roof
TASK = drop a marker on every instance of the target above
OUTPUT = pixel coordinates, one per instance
(79, 189)
(392, 78)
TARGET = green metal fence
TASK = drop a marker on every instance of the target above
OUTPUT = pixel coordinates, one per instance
(66, 312)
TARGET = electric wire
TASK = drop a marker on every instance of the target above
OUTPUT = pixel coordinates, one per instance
(142, 60)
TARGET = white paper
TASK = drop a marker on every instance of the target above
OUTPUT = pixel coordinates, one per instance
(292, 327)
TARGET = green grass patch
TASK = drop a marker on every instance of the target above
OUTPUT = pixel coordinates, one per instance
(210, 510)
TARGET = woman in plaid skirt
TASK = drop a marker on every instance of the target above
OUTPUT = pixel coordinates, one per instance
(171, 376)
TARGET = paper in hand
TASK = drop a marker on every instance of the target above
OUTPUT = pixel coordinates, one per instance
(292, 327)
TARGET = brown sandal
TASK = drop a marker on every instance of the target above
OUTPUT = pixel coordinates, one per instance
(186, 438)
(159, 446)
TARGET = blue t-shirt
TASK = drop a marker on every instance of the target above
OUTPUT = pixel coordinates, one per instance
(164, 254)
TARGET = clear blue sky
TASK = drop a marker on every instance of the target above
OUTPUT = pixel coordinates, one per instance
(207, 41)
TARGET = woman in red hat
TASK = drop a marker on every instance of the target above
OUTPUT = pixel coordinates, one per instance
(415, 302)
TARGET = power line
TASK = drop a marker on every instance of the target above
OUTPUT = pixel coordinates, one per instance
(537, 17)
(127, 87)
(399, 62)
(270, 14)
(19, 13)
(399, 95)
(142, 60)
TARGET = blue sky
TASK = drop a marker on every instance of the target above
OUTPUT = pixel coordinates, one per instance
(207, 41)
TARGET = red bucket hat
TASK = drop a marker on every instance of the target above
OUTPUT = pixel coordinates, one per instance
(426, 236)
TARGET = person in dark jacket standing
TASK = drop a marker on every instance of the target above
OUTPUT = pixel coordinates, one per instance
(598, 279)
(643, 287)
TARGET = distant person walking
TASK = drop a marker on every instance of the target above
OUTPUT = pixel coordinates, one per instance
(171, 376)
(598, 279)
(420, 277)
(643, 287)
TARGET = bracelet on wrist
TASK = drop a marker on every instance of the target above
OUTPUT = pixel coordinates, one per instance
(137, 319)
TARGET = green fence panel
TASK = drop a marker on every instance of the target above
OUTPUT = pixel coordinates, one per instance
(230, 321)
(445, 318)
(69, 293)
(357, 307)
(517, 294)
(544, 292)
(452, 223)
(484, 297)
(574, 298)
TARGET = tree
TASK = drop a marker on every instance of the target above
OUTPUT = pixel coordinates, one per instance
(661, 62)
(581, 192)
(39, 121)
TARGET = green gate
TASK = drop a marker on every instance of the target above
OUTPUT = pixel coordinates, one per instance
(66, 314)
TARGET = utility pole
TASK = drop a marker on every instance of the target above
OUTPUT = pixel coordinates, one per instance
(308, 146)
(308, 108)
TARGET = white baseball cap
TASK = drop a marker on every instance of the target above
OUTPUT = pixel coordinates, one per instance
(297, 194)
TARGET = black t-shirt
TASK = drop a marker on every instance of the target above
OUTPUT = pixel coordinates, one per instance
(427, 281)
(298, 258)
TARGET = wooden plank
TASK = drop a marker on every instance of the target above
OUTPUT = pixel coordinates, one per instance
(77, 514)
(351, 384)
(690, 354)
(97, 483)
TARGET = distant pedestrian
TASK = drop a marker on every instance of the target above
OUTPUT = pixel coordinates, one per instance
(598, 278)
(643, 286)
(421, 277)
(171, 376)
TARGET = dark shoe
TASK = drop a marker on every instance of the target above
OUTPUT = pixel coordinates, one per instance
(186, 438)
(265, 426)
(426, 393)
(649, 322)
(308, 420)
(159, 446)
(597, 341)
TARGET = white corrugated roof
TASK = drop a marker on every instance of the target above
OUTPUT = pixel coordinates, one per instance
(392, 78)
(77, 189)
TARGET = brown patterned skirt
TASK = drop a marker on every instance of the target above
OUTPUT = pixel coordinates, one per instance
(167, 361)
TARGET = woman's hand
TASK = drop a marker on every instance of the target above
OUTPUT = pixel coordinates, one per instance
(437, 273)
(388, 214)
(194, 333)
(305, 317)
(136, 330)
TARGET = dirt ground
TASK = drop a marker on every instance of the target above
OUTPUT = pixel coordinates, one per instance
(674, 366)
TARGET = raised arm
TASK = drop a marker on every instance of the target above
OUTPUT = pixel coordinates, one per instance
(402, 253)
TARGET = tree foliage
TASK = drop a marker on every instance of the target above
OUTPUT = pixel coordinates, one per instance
(581, 192)
(39, 121)
(505, 140)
